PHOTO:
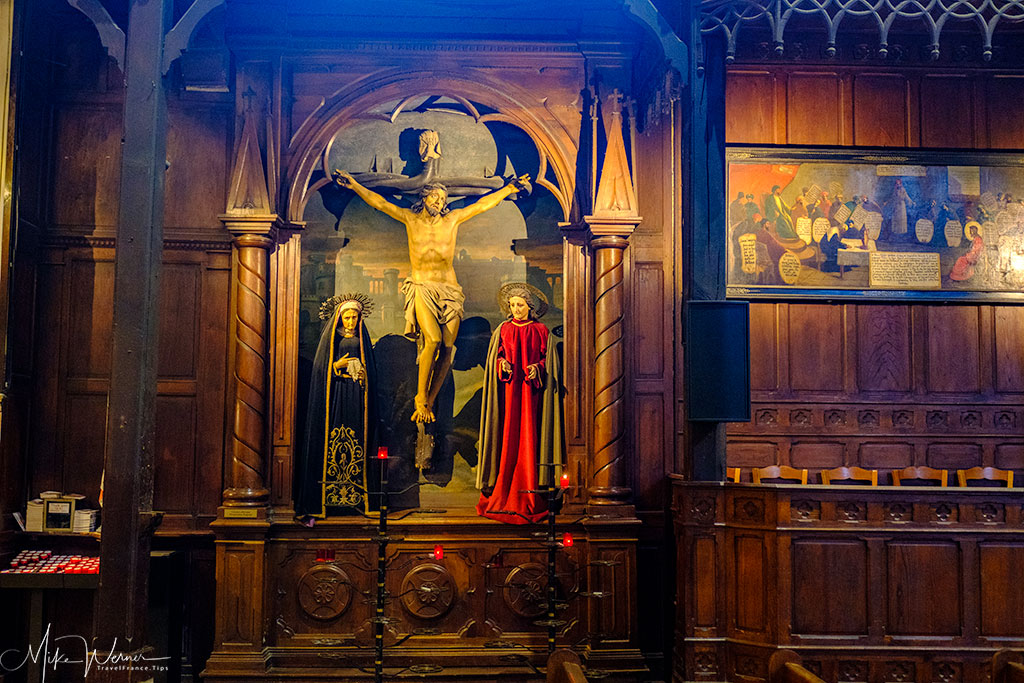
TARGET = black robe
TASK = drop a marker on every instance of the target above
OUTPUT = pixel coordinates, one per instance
(337, 471)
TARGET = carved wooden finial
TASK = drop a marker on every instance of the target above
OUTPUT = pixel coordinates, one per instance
(248, 194)
(616, 197)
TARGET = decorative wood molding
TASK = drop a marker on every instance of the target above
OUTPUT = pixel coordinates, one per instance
(728, 17)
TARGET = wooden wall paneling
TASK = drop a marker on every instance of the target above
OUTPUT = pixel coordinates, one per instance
(285, 261)
(48, 345)
(1007, 342)
(578, 356)
(1002, 602)
(87, 173)
(651, 356)
(953, 348)
(816, 454)
(239, 595)
(750, 107)
(883, 348)
(1005, 124)
(83, 436)
(830, 593)
(756, 453)
(91, 317)
(174, 478)
(814, 108)
(753, 587)
(198, 152)
(211, 401)
(880, 111)
(924, 587)
(83, 405)
(1009, 456)
(950, 456)
(176, 434)
(614, 618)
(179, 320)
(947, 106)
(816, 348)
(765, 371)
(889, 454)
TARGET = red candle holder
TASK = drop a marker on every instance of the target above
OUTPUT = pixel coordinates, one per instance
(382, 453)
(567, 540)
(439, 552)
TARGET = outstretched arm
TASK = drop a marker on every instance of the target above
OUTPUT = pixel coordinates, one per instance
(489, 201)
(344, 179)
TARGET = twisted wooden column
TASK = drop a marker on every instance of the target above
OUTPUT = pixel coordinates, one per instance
(246, 482)
(609, 471)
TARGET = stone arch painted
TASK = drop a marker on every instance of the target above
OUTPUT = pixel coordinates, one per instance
(557, 145)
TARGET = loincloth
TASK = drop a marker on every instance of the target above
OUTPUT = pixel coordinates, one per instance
(444, 301)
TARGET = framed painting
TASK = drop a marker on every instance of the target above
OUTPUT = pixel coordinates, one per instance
(879, 223)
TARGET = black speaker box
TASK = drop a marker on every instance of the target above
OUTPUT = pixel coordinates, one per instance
(717, 357)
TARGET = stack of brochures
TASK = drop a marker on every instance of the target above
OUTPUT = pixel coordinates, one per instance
(34, 515)
(85, 521)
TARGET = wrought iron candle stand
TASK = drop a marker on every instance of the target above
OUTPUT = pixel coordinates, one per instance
(551, 621)
(381, 597)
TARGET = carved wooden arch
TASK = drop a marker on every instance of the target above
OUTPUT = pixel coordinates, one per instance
(557, 145)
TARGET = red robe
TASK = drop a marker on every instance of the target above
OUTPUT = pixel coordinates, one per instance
(522, 345)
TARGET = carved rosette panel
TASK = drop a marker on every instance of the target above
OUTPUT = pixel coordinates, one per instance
(324, 592)
(899, 672)
(944, 513)
(705, 662)
(853, 672)
(899, 512)
(749, 509)
(849, 511)
(524, 590)
(428, 591)
(805, 510)
(990, 513)
(947, 672)
(702, 510)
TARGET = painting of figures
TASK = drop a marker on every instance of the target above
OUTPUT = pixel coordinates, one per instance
(833, 222)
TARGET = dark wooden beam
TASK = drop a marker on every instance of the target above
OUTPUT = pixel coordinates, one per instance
(704, 217)
(120, 606)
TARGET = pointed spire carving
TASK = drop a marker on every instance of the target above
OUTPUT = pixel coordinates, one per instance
(248, 194)
(616, 196)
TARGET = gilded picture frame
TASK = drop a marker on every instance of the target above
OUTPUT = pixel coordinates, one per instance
(874, 223)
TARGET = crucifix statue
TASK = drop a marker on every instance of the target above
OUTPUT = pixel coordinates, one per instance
(433, 297)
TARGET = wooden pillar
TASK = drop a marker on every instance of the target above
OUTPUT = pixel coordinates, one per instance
(704, 218)
(243, 521)
(614, 219)
(250, 218)
(609, 473)
(119, 616)
(246, 471)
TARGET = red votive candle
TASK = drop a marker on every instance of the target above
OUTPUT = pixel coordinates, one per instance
(438, 552)
(382, 453)
(567, 540)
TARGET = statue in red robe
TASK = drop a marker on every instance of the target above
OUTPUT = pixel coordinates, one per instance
(521, 419)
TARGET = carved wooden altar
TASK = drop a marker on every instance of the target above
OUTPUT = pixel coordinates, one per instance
(279, 608)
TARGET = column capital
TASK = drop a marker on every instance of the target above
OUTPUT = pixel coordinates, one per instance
(244, 227)
(611, 226)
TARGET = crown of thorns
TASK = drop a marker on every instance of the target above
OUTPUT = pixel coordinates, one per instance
(361, 303)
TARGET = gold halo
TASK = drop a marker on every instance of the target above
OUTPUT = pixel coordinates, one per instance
(539, 301)
(977, 229)
(330, 304)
